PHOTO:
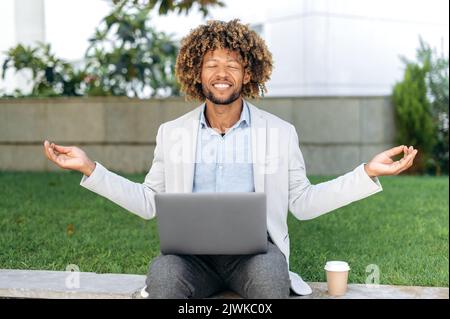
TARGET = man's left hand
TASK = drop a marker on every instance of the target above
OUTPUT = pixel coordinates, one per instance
(382, 164)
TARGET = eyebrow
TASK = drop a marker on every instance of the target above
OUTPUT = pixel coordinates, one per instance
(216, 60)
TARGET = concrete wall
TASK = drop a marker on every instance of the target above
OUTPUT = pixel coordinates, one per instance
(336, 133)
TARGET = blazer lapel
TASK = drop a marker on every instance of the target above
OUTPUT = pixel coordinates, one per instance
(258, 132)
(191, 126)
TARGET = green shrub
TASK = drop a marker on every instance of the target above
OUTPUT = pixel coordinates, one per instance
(437, 82)
(128, 57)
(50, 75)
(421, 110)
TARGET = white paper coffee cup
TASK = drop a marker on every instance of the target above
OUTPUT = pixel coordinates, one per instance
(337, 277)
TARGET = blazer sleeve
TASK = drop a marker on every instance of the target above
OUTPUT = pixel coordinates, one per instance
(307, 201)
(138, 198)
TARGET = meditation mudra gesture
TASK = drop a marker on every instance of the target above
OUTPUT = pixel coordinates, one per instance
(228, 145)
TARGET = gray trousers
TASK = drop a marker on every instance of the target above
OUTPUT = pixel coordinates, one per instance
(200, 276)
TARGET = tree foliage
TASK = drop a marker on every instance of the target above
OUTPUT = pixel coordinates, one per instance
(165, 6)
(128, 57)
(50, 75)
(421, 109)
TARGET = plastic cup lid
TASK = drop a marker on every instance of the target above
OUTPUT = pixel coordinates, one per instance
(336, 266)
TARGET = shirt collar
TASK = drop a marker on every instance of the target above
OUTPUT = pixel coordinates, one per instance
(244, 119)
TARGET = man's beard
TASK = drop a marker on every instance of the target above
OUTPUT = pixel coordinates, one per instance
(210, 96)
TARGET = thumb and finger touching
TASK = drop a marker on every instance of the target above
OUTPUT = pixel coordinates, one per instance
(395, 151)
(56, 153)
(62, 149)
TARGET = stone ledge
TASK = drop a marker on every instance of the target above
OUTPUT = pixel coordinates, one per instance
(52, 284)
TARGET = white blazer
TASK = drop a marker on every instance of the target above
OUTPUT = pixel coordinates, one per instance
(278, 167)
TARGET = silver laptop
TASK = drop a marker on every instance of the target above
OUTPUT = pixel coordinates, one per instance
(212, 223)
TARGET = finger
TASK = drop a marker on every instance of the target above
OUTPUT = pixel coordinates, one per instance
(398, 166)
(405, 160)
(405, 151)
(46, 146)
(406, 163)
(409, 161)
(62, 149)
(49, 151)
(412, 155)
(54, 149)
(51, 154)
(410, 149)
(394, 151)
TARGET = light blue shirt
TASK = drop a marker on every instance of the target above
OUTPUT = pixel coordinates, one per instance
(224, 163)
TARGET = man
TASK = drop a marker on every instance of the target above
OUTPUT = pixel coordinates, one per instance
(227, 144)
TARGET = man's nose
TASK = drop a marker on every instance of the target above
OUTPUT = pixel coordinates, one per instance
(222, 72)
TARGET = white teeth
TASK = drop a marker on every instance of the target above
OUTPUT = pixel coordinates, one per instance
(221, 86)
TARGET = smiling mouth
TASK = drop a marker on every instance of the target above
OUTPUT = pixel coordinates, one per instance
(221, 86)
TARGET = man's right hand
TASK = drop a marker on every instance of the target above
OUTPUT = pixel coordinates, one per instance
(69, 157)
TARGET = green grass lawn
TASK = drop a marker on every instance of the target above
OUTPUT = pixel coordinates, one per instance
(48, 221)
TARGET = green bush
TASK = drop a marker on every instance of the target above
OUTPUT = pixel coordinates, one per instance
(128, 57)
(421, 110)
(50, 75)
(437, 82)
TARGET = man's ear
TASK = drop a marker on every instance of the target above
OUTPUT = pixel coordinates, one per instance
(246, 78)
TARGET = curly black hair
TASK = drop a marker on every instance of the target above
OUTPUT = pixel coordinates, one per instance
(234, 36)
